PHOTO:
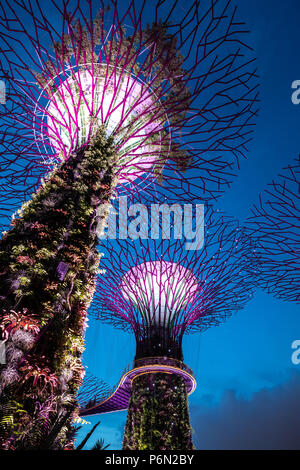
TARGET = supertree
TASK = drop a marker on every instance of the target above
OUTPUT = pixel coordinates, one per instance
(99, 105)
(275, 228)
(160, 291)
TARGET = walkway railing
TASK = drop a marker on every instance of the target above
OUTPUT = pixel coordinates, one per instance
(120, 394)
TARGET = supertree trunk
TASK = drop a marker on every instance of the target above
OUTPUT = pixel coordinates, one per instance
(158, 416)
(48, 263)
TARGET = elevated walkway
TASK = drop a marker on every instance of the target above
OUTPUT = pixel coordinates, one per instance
(119, 398)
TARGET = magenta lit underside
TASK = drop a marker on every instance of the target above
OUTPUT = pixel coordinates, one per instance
(127, 107)
(160, 288)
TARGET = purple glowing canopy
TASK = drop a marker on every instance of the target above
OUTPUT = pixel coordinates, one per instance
(180, 95)
(275, 228)
(158, 281)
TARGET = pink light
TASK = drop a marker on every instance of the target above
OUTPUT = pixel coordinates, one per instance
(162, 287)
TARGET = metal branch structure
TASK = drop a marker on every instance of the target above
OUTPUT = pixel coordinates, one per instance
(93, 389)
(275, 227)
(99, 104)
(160, 290)
(177, 95)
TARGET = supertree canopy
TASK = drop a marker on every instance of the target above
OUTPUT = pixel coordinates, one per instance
(178, 94)
(93, 390)
(99, 103)
(275, 227)
(159, 290)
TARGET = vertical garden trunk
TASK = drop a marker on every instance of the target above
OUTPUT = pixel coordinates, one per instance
(158, 416)
(48, 262)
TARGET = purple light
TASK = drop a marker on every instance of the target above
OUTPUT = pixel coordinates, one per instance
(161, 287)
(180, 106)
(62, 270)
(95, 96)
(275, 228)
(150, 283)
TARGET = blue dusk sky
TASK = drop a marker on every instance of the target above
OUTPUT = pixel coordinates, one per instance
(248, 389)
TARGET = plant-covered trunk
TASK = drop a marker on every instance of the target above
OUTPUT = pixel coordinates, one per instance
(158, 416)
(48, 263)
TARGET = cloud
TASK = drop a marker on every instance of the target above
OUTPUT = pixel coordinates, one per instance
(269, 420)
